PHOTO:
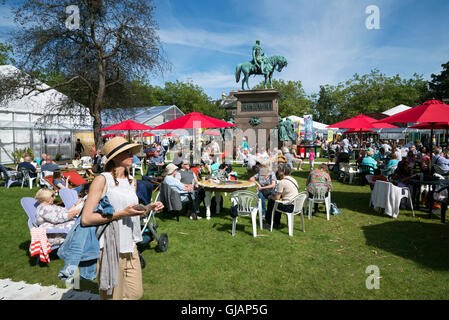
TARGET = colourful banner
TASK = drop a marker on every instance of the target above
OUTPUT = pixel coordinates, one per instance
(330, 136)
(308, 128)
(297, 131)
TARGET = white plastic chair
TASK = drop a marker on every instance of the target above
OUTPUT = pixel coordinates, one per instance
(26, 177)
(348, 171)
(137, 166)
(407, 194)
(320, 197)
(298, 206)
(249, 204)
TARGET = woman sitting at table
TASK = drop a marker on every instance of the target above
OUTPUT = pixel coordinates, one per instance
(403, 174)
(424, 159)
(62, 182)
(266, 181)
(369, 161)
(49, 215)
(393, 162)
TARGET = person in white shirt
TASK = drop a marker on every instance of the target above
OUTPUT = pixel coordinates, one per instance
(346, 145)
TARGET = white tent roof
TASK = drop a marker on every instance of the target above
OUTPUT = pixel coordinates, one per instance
(396, 109)
(45, 103)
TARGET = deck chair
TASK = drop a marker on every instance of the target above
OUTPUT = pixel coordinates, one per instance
(75, 178)
(10, 176)
(298, 208)
(49, 183)
(29, 205)
(68, 196)
(248, 204)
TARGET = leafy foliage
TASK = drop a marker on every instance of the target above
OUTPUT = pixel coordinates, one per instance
(439, 86)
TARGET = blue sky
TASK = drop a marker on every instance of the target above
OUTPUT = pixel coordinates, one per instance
(324, 41)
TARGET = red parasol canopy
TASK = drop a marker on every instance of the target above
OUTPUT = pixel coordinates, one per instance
(212, 133)
(194, 120)
(360, 122)
(427, 125)
(429, 111)
(145, 134)
(171, 134)
(128, 125)
(361, 130)
(109, 135)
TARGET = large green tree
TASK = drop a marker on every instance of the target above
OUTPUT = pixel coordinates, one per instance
(439, 85)
(94, 62)
(6, 53)
(370, 93)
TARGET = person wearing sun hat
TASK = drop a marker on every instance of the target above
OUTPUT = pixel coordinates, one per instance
(185, 191)
(119, 271)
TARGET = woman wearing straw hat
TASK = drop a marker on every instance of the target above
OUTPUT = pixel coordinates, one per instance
(119, 270)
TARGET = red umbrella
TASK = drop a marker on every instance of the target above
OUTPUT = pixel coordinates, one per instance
(128, 125)
(171, 134)
(360, 122)
(212, 133)
(145, 134)
(431, 111)
(194, 120)
(109, 135)
(358, 130)
(427, 125)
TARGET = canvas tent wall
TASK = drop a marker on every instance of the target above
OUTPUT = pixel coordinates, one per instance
(31, 121)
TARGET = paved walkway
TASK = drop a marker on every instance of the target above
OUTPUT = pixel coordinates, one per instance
(10, 290)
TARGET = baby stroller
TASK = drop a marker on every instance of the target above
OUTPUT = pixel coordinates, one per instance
(149, 233)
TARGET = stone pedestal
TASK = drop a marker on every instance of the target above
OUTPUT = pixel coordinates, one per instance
(261, 104)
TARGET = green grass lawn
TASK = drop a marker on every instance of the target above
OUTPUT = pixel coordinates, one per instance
(328, 261)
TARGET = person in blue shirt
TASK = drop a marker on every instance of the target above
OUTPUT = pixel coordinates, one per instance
(369, 161)
(27, 165)
(61, 182)
(440, 160)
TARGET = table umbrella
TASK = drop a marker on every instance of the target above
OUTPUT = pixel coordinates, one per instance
(145, 134)
(194, 120)
(128, 125)
(361, 130)
(431, 111)
(360, 122)
(212, 133)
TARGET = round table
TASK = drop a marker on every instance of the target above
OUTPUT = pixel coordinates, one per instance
(217, 188)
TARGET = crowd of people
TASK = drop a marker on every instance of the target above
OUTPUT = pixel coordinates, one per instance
(270, 170)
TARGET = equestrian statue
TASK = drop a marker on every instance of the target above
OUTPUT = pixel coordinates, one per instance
(259, 65)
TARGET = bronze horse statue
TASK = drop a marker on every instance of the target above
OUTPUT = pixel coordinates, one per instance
(270, 64)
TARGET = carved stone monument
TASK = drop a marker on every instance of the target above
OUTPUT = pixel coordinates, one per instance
(258, 110)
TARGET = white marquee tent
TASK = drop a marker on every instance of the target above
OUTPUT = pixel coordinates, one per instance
(31, 121)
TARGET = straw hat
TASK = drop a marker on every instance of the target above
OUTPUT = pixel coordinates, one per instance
(115, 146)
(170, 168)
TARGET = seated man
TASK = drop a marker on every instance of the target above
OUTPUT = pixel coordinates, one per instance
(26, 164)
(440, 160)
(50, 165)
(185, 191)
(156, 162)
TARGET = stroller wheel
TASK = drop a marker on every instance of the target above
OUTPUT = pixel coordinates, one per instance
(163, 242)
(143, 262)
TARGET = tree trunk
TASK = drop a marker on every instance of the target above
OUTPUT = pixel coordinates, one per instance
(98, 105)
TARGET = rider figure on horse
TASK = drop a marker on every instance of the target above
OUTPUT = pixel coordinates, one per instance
(258, 57)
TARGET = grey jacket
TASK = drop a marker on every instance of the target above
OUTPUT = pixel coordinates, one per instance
(170, 198)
